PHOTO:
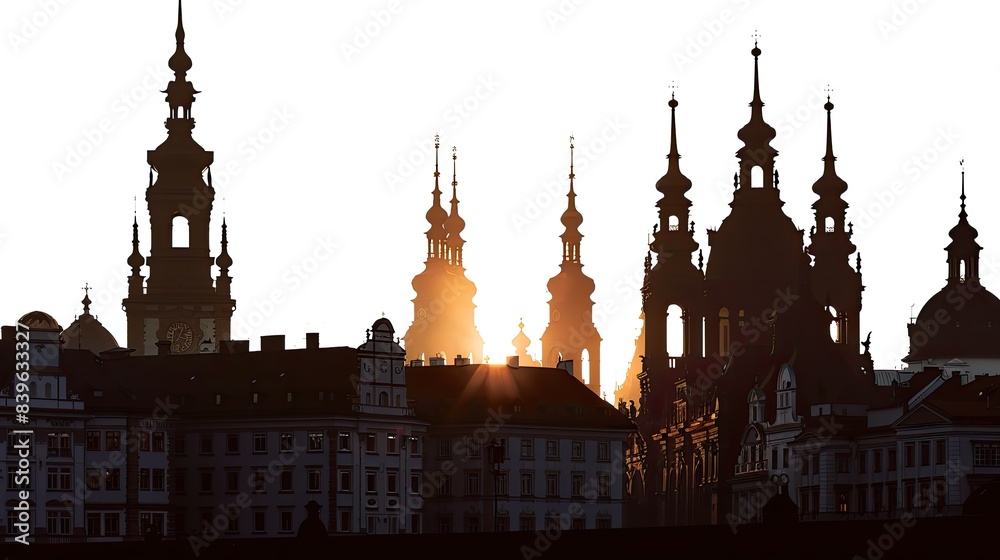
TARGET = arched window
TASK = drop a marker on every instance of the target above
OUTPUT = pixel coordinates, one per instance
(829, 224)
(835, 333)
(368, 398)
(961, 270)
(397, 400)
(585, 366)
(675, 331)
(180, 232)
(383, 399)
(756, 177)
(673, 223)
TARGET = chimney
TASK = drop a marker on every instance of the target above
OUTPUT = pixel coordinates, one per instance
(416, 363)
(437, 361)
(513, 361)
(312, 341)
(163, 347)
(460, 361)
(272, 343)
(566, 365)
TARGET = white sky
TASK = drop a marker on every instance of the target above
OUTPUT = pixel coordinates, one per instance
(910, 80)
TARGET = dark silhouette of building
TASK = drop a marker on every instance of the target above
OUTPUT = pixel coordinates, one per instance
(444, 324)
(178, 308)
(571, 333)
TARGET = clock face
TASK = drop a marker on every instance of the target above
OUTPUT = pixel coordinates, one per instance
(181, 337)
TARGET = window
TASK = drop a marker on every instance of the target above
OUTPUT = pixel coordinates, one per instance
(551, 449)
(414, 446)
(286, 480)
(444, 448)
(472, 487)
(604, 485)
(59, 445)
(371, 444)
(392, 482)
(444, 524)
(603, 451)
(414, 483)
(112, 440)
(345, 521)
(93, 444)
(144, 441)
(527, 448)
(551, 522)
(286, 442)
(344, 441)
(862, 462)
(577, 453)
(527, 522)
(552, 485)
(260, 442)
(877, 461)
(784, 458)
(232, 444)
(863, 499)
(206, 482)
(93, 524)
(908, 458)
(579, 524)
(260, 480)
(206, 444)
(501, 484)
(112, 525)
(93, 479)
(527, 484)
(344, 480)
(390, 444)
(285, 521)
(315, 442)
(180, 481)
(371, 481)
(180, 447)
(112, 479)
(57, 522)
(603, 522)
(314, 480)
(985, 454)
(145, 480)
(475, 447)
(444, 489)
(234, 523)
(925, 453)
(159, 441)
(471, 523)
(576, 487)
(842, 462)
(59, 478)
(232, 481)
(939, 452)
(260, 521)
(806, 459)
(503, 523)
(892, 459)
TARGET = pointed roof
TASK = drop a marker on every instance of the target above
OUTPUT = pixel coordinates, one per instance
(674, 184)
(454, 224)
(86, 332)
(437, 214)
(571, 217)
(829, 186)
(963, 235)
(224, 260)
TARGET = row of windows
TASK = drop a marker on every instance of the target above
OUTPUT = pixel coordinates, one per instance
(112, 439)
(526, 522)
(257, 482)
(258, 443)
(472, 448)
(842, 461)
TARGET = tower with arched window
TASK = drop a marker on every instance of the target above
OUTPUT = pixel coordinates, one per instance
(178, 308)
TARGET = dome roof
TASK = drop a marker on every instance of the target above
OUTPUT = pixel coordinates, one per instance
(39, 320)
(87, 333)
(957, 323)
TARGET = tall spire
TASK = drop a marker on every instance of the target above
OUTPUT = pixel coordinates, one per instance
(180, 92)
(224, 260)
(436, 215)
(756, 136)
(963, 251)
(454, 224)
(135, 260)
(673, 234)
(571, 218)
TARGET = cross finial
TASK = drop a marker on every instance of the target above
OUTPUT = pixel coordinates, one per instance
(673, 88)
(755, 37)
(828, 91)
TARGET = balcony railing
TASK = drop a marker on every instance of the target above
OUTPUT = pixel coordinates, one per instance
(749, 467)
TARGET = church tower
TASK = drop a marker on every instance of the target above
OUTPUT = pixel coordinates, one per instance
(571, 332)
(178, 309)
(444, 323)
(834, 282)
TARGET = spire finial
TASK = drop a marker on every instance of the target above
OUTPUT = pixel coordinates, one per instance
(436, 215)
(571, 174)
(180, 62)
(86, 299)
(454, 224)
(962, 214)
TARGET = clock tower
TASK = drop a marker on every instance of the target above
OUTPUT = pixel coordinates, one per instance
(178, 309)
